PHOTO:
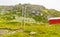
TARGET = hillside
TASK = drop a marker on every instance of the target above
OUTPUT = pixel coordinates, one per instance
(27, 20)
(37, 12)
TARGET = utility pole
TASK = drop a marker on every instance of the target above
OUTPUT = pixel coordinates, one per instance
(24, 16)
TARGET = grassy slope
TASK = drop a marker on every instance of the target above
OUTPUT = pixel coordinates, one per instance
(43, 30)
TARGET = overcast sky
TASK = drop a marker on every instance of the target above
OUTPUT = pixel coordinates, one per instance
(54, 4)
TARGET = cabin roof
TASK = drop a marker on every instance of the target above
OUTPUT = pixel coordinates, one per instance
(52, 18)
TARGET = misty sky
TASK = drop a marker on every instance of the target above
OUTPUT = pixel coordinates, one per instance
(54, 4)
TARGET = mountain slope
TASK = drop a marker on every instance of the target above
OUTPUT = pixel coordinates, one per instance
(37, 12)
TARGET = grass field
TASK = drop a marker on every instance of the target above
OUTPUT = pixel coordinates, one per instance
(42, 30)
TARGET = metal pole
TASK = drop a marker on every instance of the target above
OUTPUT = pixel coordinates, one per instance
(24, 16)
(22, 22)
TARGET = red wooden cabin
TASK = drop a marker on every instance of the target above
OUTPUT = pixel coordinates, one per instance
(54, 20)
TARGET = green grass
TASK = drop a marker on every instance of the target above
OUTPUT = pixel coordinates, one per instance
(10, 25)
(43, 30)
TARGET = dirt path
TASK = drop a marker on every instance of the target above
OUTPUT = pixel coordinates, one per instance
(6, 31)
